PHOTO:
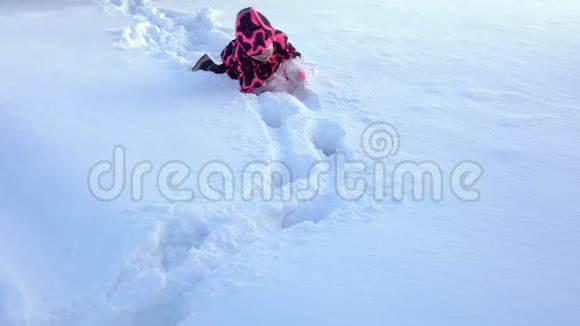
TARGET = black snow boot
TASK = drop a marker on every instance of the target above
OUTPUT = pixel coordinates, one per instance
(205, 63)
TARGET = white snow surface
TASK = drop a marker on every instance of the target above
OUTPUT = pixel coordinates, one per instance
(492, 82)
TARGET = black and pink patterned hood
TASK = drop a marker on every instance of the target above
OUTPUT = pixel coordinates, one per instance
(253, 31)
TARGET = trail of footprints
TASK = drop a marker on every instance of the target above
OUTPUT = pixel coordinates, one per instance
(189, 242)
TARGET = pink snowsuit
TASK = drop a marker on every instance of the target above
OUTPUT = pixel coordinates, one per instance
(254, 34)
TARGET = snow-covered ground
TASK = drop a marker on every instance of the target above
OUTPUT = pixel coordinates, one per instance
(483, 87)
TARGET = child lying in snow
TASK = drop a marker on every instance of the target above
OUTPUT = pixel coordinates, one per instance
(260, 57)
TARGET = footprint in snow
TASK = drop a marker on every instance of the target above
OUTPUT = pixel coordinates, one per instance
(328, 136)
(275, 109)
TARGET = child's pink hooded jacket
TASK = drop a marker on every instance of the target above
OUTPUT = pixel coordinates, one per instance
(254, 33)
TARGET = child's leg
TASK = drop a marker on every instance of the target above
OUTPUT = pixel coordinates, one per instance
(205, 63)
